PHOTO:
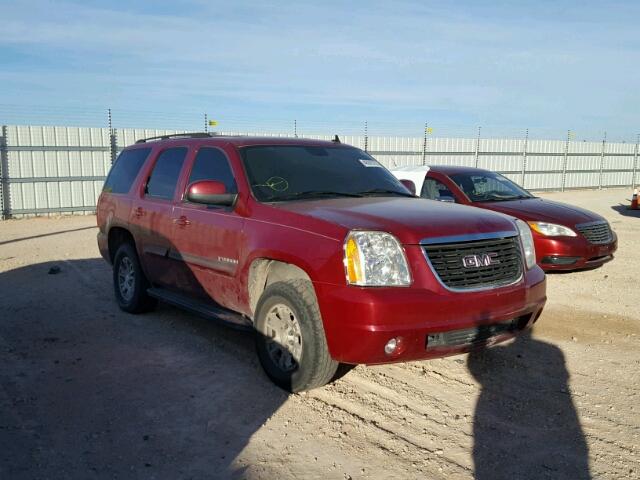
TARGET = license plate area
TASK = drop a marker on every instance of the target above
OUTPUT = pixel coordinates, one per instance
(479, 335)
(605, 250)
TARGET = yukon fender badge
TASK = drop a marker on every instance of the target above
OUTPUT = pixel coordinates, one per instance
(228, 260)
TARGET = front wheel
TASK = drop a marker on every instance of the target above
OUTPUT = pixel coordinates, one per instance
(129, 281)
(290, 338)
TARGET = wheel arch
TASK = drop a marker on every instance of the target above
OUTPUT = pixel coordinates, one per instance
(266, 271)
(116, 237)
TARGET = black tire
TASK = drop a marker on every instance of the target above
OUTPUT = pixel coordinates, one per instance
(133, 299)
(315, 367)
(342, 370)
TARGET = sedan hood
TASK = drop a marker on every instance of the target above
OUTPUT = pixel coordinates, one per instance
(409, 219)
(534, 209)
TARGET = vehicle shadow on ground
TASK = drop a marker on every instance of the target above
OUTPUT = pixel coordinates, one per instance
(88, 391)
(525, 423)
(626, 211)
(22, 239)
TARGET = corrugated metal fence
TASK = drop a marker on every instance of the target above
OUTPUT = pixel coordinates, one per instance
(50, 170)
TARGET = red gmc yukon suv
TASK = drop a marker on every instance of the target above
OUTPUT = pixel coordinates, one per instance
(317, 248)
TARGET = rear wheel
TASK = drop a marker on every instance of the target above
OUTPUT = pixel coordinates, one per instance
(129, 282)
(290, 338)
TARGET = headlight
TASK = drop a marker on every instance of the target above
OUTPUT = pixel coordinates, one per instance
(527, 243)
(552, 229)
(375, 259)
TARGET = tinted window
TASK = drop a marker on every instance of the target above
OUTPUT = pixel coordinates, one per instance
(489, 187)
(212, 164)
(165, 173)
(436, 190)
(125, 169)
(280, 173)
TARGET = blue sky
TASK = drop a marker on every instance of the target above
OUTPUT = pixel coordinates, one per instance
(503, 65)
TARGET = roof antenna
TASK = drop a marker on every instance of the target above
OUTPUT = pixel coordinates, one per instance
(336, 139)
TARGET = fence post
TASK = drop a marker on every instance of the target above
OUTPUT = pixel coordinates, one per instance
(5, 195)
(477, 147)
(604, 143)
(524, 157)
(635, 163)
(113, 141)
(565, 161)
(424, 144)
(113, 144)
(366, 136)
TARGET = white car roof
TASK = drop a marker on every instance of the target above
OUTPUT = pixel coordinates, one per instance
(415, 173)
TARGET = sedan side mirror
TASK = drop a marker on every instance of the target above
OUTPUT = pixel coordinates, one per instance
(409, 185)
(210, 192)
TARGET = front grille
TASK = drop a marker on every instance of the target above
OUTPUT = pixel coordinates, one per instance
(505, 268)
(596, 232)
(475, 336)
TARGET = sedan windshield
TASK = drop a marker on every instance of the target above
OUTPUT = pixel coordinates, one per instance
(489, 187)
(293, 172)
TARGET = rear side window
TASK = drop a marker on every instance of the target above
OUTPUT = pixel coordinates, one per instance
(164, 177)
(125, 170)
(212, 164)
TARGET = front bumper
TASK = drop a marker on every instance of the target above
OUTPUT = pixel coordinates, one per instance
(572, 253)
(359, 321)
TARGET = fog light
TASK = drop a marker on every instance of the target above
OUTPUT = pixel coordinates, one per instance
(558, 260)
(391, 346)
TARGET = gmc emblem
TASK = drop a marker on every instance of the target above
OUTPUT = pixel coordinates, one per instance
(482, 260)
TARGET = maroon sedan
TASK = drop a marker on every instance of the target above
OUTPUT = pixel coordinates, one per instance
(566, 237)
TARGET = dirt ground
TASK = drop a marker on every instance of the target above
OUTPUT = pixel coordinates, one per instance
(87, 391)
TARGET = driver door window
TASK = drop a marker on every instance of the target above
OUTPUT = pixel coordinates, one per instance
(433, 189)
(212, 164)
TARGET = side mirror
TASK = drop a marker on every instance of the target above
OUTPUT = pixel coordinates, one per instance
(409, 185)
(210, 192)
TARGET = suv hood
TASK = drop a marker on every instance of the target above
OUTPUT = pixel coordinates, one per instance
(409, 219)
(534, 209)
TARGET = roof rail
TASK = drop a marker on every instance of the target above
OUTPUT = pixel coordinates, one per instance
(179, 135)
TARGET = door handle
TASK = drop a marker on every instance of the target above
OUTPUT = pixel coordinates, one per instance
(139, 212)
(182, 221)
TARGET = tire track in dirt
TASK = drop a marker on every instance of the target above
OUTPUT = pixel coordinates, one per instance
(394, 437)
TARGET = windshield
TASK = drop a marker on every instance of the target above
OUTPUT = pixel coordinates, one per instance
(294, 172)
(489, 187)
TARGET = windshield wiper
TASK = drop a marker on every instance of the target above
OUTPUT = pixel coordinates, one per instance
(500, 198)
(383, 191)
(311, 194)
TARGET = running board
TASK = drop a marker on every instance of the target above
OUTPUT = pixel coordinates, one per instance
(211, 312)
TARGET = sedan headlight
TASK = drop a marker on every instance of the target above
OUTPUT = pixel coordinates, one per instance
(375, 259)
(527, 243)
(552, 229)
